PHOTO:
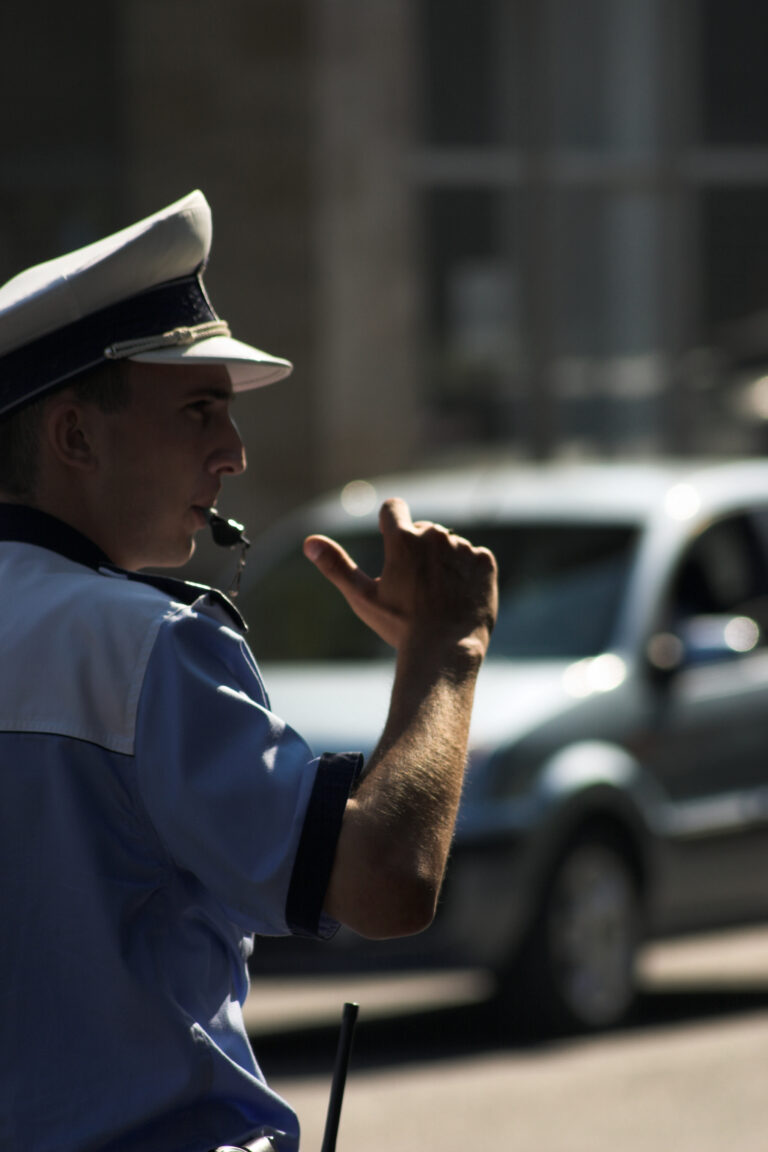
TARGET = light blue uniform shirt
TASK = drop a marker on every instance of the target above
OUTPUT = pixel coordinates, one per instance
(155, 814)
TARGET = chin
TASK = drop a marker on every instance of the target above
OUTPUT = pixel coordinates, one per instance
(168, 556)
(177, 559)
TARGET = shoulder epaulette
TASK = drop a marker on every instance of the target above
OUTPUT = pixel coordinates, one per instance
(183, 591)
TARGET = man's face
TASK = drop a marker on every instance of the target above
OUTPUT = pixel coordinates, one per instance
(162, 460)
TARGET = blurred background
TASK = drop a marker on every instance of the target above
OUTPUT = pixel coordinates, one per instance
(528, 227)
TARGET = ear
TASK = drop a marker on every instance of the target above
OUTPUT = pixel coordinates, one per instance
(71, 432)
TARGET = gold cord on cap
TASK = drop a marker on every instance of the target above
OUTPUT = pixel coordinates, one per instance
(171, 339)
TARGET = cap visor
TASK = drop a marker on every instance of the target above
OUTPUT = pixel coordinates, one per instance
(248, 367)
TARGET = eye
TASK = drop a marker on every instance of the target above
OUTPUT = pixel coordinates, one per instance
(201, 408)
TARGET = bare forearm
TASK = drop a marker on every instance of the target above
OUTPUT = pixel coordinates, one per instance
(398, 827)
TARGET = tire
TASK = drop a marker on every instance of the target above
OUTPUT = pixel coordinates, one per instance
(576, 969)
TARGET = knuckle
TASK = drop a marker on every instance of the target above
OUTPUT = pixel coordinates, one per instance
(487, 557)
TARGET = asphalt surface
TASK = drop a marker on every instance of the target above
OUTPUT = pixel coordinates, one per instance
(435, 1066)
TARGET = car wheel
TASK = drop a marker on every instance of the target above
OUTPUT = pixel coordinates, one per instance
(576, 968)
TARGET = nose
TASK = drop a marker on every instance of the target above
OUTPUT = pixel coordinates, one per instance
(228, 458)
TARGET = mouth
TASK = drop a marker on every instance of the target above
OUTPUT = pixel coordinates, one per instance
(201, 512)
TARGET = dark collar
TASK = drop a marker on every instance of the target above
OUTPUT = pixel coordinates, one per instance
(26, 525)
(31, 526)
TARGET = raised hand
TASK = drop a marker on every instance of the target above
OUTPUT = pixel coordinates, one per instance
(434, 587)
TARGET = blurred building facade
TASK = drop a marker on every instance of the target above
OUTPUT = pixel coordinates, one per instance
(525, 226)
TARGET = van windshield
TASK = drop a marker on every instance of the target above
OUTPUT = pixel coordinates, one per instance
(561, 587)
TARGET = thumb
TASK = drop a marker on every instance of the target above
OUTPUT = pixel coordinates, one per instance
(337, 566)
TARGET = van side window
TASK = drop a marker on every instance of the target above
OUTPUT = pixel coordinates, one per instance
(724, 572)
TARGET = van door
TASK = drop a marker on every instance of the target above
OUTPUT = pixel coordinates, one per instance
(710, 751)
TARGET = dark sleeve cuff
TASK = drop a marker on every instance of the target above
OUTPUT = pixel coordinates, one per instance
(336, 773)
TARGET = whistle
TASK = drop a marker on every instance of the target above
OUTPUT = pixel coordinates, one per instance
(229, 534)
(226, 533)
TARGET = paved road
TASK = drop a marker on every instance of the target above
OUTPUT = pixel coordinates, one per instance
(435, 1068)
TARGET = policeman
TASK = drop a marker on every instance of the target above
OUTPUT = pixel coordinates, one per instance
(155, 813)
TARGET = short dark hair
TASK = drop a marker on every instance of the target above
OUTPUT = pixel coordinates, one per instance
(106, 386)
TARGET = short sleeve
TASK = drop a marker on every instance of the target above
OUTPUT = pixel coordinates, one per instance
(234, 794)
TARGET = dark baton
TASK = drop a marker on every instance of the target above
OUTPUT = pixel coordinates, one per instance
(348, 1020)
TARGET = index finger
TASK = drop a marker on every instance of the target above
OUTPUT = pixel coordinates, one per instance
(395, 515)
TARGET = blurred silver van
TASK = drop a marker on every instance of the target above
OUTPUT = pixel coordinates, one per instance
(617, 786)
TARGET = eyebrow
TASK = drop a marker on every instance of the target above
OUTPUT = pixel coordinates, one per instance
(210, 391)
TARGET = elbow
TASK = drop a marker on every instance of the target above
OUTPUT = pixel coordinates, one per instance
(400, 907)
(383, 886)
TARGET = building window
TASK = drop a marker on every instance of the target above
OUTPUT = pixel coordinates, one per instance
(593, 182)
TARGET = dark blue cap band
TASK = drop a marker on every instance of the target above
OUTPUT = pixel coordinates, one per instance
(53, 359)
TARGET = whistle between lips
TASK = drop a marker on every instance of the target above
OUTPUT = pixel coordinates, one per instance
(226, 533)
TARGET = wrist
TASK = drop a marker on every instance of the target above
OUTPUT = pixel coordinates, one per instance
(455, 658)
